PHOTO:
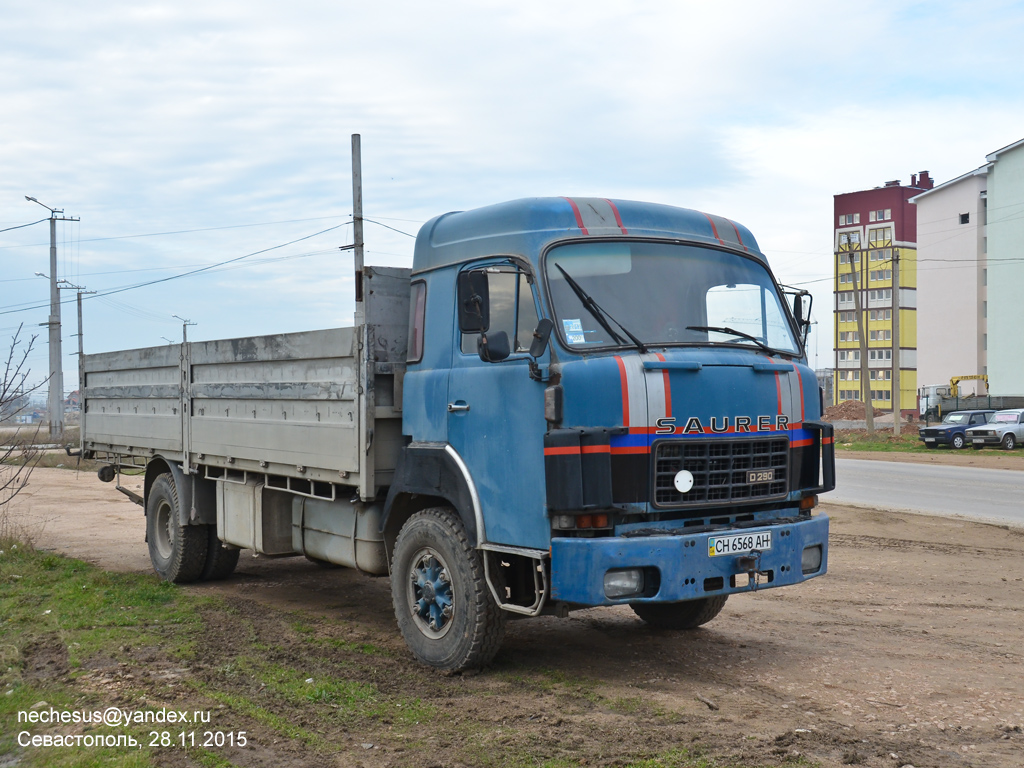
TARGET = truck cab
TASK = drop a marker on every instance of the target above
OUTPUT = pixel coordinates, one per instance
(610, 401)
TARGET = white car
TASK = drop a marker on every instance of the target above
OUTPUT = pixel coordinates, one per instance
(1006, 428)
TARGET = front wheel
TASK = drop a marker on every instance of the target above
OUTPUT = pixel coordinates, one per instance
(1009, 441)
(178, 552)
(686, 615)
(443, 606)
(958, 442)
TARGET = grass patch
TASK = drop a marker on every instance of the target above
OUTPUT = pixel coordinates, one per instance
(881, 440)
(59, 616)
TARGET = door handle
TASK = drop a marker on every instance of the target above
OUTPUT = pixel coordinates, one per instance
(460, 406)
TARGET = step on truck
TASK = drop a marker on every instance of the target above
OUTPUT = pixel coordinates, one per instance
(565, 403)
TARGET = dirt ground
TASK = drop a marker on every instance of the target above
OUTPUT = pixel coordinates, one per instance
(907, 653)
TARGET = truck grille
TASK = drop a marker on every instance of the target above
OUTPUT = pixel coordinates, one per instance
(720, 470)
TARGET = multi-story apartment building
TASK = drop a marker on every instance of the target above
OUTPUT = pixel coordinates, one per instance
(1005, 269)
(952, 281)
(875, 240)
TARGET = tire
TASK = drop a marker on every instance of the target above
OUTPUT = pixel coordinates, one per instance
(220, 560)
(686, 615)
(1009, 441)
(178, 552)
(443, 606)
(957, 442)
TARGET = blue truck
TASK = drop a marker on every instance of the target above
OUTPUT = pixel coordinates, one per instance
(565, 403)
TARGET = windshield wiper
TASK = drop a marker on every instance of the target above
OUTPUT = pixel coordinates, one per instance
(731, 332)
(599, 314)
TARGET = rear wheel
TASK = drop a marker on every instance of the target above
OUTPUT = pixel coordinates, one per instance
(178, 552)
(220, 559)
(1009, 441)
(686, 615)
(443, 606)
(958, 442)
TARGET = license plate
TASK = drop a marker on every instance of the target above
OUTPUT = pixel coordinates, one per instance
(760, 475)
(929, 439)
(979, 440)
(739, 545)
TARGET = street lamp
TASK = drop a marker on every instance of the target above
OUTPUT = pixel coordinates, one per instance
(56, 394)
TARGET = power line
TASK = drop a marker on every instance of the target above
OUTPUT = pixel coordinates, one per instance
(387, 227)
(175, 232)
(22, 226)
(22, 308)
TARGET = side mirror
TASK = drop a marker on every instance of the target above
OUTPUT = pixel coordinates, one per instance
(802, 303)
(494, 348)
(474, 302)
(540, 337)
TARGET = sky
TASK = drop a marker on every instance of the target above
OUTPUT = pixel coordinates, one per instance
(183, 135)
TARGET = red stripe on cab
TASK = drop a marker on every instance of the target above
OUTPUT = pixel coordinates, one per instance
(576, 213)
(618, 218)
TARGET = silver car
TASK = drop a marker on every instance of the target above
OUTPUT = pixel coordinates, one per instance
(1006, 428)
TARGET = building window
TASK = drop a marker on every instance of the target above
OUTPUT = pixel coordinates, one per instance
(880, 335)
(846, 277)
(846, 317)
(984, 309)
(849, 336)
(849, 375)
(879, 237)
(965, 218)
(880, 215)
(849, 394)
(880, 274)
(849, 354)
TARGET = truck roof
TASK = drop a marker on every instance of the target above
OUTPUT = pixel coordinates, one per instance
(527, 225)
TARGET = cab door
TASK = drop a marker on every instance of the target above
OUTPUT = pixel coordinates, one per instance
(496, 410)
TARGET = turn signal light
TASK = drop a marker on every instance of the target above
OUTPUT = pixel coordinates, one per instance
(808, 502)
(584, 521)
(600, 521)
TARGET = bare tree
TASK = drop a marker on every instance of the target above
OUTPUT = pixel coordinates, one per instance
(18, 452)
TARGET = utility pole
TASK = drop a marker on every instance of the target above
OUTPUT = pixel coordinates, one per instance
(55, 399)
(184, 328)
(865, 383)
(897, 393)
(357, 223)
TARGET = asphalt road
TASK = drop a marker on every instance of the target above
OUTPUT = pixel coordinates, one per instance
(992, 494)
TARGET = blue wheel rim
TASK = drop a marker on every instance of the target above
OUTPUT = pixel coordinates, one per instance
(431, 595)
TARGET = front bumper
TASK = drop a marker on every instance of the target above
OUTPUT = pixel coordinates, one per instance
(985, 439)
(682, 564)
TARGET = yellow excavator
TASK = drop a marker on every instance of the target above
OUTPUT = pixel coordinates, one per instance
(954, 390)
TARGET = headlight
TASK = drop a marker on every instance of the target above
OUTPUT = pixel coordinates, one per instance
(810, 560)
(625, 582)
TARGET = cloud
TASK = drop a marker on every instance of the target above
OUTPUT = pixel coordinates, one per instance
(174, 116)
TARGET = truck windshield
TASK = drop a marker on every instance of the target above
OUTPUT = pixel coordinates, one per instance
(667, 293)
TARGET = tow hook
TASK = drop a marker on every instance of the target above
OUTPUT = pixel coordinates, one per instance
(751, 565)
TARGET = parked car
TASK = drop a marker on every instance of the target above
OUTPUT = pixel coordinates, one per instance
(1005, 428)
(951, 430)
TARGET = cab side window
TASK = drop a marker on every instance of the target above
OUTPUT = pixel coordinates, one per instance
(511, 306)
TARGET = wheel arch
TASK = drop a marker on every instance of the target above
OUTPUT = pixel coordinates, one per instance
(431, 475)
(200, 509)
